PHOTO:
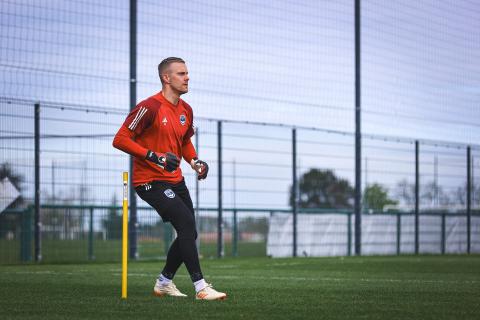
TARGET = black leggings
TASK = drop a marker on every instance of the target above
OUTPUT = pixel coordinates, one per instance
(174, 205)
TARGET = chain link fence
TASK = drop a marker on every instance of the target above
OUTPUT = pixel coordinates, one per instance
(273, 90)
(80, 190)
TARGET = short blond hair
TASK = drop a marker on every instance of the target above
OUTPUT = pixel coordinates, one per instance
(163, 66)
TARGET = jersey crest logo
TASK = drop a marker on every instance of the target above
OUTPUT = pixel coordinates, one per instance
(183, 119)
(164, 121)
(169, 193)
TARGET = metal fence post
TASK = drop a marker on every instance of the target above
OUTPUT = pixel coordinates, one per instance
(26, 235)
(349, 234)
(197, 194)
(38, 230)
(417, 194)
(443, 234)
(133, 223)
(90, 236)
(358, 134)
(399, 232)
(469, 199)
(235, 234)
(294, 190)
(220, 251)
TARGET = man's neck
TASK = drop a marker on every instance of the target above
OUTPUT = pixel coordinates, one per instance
(171, 97)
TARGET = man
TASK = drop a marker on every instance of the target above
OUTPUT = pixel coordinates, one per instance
(157, 133)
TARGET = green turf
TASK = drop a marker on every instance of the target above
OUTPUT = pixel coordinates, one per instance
(70, 251)
(405, 287)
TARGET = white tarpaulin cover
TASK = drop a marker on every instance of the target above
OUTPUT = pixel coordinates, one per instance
(8, 193)
(327, 234)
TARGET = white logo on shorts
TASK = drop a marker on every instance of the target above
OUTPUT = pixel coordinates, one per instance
(169, 193)
(147, 186)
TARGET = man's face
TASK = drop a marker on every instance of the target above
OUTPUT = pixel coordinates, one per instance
(177, 76)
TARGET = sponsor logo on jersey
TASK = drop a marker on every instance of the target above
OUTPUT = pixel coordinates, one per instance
(169, 193)
(183, 119)
(164, 121)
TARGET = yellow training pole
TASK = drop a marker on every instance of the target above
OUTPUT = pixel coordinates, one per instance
(125, 236)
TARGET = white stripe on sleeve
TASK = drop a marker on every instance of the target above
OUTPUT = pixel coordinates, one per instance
(141, 112)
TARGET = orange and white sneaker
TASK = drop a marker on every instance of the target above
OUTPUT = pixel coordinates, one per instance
(208, 293)
(167, 290)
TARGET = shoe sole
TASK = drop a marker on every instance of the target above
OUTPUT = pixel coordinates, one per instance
(221, 299)
(163, 294)
(159, 294)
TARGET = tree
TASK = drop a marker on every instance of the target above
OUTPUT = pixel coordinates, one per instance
(405, 192)
(434, 196)
(460, 195)
(323, 189)
(376, 197)
(431, 194)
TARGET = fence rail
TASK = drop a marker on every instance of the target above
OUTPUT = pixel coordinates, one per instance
(75, 233)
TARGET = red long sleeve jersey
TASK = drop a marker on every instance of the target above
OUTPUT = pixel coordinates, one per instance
(157, 125)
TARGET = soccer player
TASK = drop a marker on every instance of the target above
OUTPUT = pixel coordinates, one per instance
(157, 134)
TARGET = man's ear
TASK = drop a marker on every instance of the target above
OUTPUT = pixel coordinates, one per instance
(166, 78)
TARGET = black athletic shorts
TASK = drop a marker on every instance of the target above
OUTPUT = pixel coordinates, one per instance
(168, 199)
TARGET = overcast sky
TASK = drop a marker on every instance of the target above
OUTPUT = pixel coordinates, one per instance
(286, 62)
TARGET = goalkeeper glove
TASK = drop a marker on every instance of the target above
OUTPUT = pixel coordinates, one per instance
(201, 167)
(167, 161)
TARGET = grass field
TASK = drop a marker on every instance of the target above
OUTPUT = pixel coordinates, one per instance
(405, 287)
(68, 251)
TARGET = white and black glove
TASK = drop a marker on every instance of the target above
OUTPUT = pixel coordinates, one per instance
(167, 161)
(201, 167)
